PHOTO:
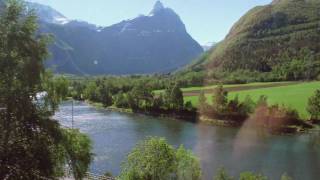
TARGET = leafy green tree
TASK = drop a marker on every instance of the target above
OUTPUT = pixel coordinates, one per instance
(32, 145)
(156, 160)
(219, 99)
(61, 85)
(121, 100)
(77, 90)
(91, 92)
(105, 95)
(188, 166)
(203, 105)
(151, 159)
(78, 147)
(140, 97)
(158, 102)
(174, 97)
(249, 104)
(314, 106)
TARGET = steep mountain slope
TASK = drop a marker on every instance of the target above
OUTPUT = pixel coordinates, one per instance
(155, 43)
(268, 37)
(47, 14)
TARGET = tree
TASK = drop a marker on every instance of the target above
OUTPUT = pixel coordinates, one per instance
(62, 87)
(32, 145)
(105, 95)
(77, 146)
(154, 159)
(314, 106)
(249, 104)
(174, 97)
(151, 159)
(121, 100)
(91, 92)
(188, 166)
(203, 105)
(219, 99)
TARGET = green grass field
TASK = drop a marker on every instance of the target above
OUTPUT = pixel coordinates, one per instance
(295, 96)
(190, 89)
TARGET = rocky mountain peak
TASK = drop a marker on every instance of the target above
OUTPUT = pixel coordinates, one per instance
(157, 7)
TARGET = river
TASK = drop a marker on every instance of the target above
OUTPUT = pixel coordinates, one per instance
(114, 134)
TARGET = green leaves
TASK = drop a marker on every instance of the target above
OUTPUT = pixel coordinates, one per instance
(173, 97)
(77, 147)
(314, 106)
(188, 166)
(151, 159)
(154, 159)
(32, 145)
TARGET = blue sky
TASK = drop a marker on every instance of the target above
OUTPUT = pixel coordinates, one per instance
(206, 20)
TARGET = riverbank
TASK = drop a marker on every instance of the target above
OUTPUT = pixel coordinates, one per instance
(300, 127)
(183, 115)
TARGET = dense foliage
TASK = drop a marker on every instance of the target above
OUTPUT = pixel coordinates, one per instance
(223, 109)
(32, 145)
(155, 159)
(136, 93)
(314, 106)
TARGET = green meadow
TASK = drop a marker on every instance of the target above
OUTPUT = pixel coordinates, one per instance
(293, 95)
(201, 88)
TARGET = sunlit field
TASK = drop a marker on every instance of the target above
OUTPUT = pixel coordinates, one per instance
(292, 95)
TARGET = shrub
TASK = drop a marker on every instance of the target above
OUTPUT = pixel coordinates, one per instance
(314, 106)
(154, 158)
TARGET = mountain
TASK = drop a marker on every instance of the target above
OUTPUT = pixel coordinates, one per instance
(154, 43)
(47, 14)
(269, 37)
(207, 46)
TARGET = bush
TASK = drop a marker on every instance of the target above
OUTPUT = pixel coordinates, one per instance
(314, 106)
(150, 159)
(155, 159)
(188, 166)
(120, 100)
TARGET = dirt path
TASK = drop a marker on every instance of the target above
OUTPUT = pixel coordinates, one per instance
(240, 88)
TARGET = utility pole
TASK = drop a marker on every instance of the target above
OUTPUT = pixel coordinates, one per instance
(72, 114)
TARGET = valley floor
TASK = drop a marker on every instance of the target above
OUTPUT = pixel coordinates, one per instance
(291, 94)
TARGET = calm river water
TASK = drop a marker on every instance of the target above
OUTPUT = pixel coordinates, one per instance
(115, 134)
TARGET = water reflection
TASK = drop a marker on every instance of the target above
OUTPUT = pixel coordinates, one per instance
(115, 134)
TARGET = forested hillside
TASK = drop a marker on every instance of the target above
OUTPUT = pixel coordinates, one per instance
(282, 37)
